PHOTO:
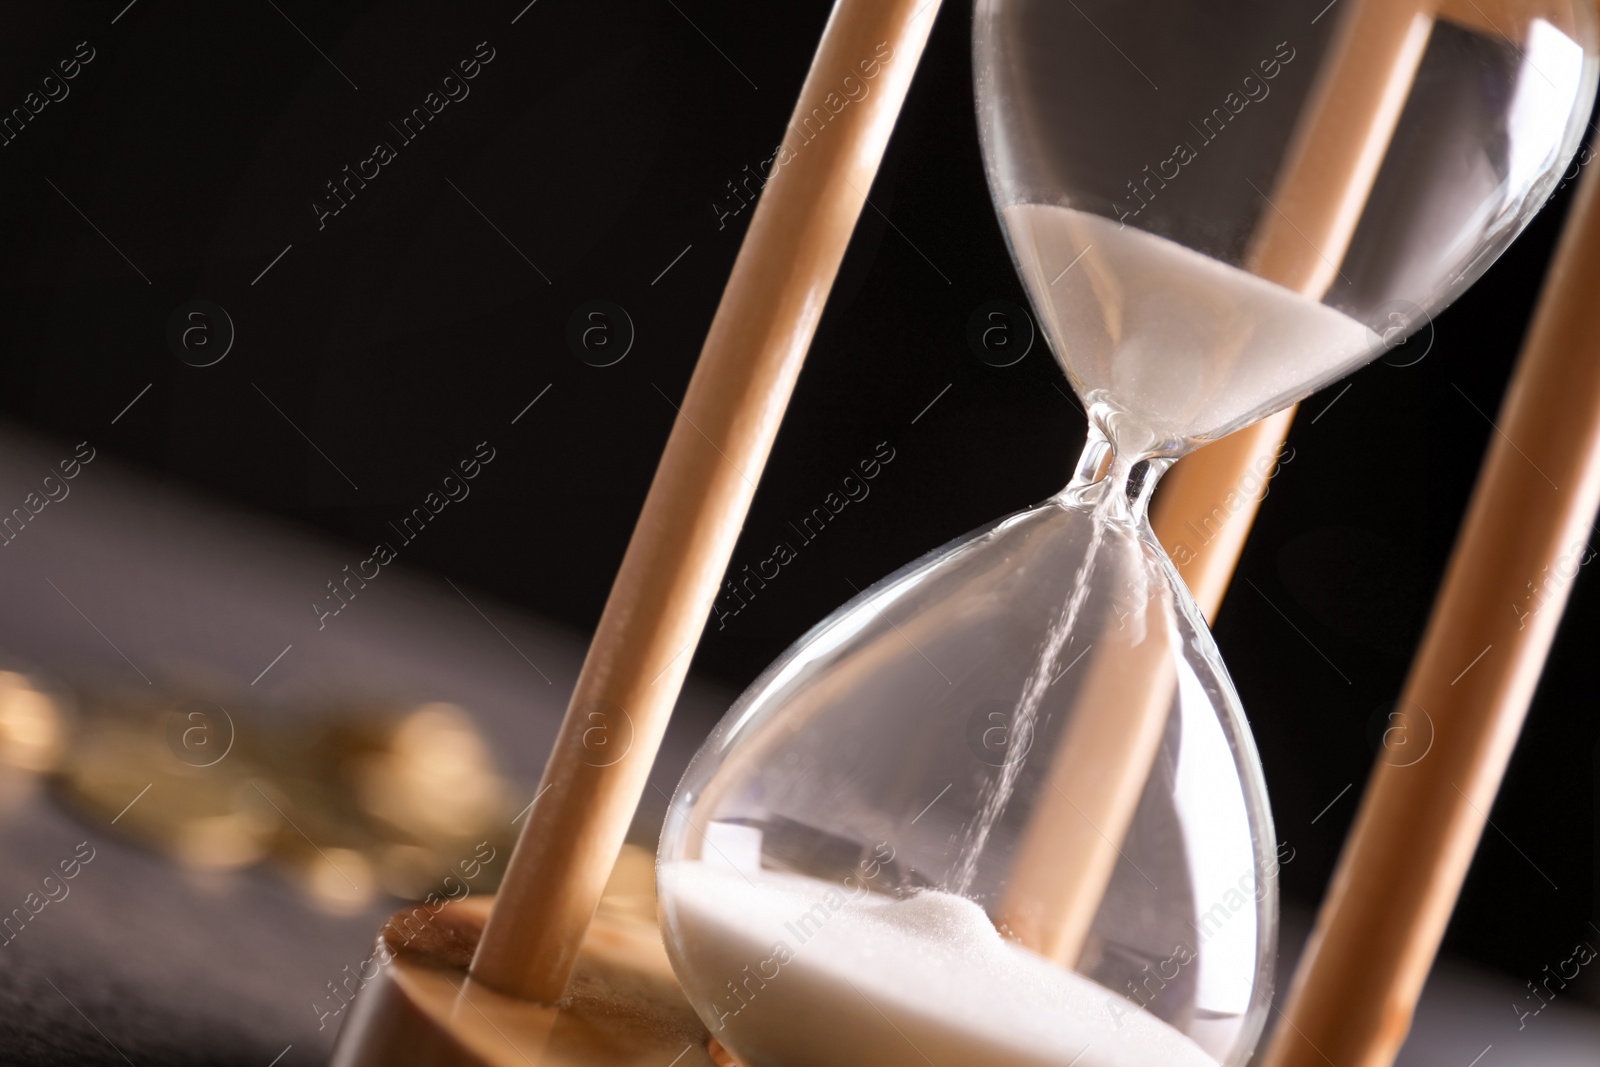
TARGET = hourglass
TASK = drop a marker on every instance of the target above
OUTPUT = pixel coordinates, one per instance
(1003, 807)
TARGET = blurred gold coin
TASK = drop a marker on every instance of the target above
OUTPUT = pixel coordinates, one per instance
(348, 804)
(340, 881)
(31, 727)
(435, 779)
(208, 819)
(219, 842)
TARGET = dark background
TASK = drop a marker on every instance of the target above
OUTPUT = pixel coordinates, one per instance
(596, 143)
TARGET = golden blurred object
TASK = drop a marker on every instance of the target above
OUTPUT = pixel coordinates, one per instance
(348, 804)
(340, 881)
(32, 733)
(435, 777)
(206, 819)
(219, 842)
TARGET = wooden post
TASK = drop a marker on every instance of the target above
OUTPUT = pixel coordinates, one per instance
(701, 493)
(1306, 228)
(1526, 531)
(1329, 175)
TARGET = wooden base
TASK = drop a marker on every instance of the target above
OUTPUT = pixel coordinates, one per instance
(623, 1008)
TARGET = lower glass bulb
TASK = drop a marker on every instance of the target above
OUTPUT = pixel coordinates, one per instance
(1001, 808)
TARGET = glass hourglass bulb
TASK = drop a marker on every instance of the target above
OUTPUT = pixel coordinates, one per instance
(1003, 807)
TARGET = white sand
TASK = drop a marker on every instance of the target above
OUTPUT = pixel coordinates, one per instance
(833, 982)
(1188, 345)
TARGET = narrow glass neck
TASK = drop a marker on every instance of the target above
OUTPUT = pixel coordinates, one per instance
(1120, 484)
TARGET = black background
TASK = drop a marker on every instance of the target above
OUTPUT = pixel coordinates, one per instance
(597, 141)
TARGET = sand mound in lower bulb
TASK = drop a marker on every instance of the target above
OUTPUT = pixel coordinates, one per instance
(792, 972)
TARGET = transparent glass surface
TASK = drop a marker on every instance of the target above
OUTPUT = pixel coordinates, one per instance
(1003, 807)
(1003, 804)
(1220, 207)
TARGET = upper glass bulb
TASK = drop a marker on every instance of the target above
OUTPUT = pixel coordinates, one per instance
(1220, 207)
